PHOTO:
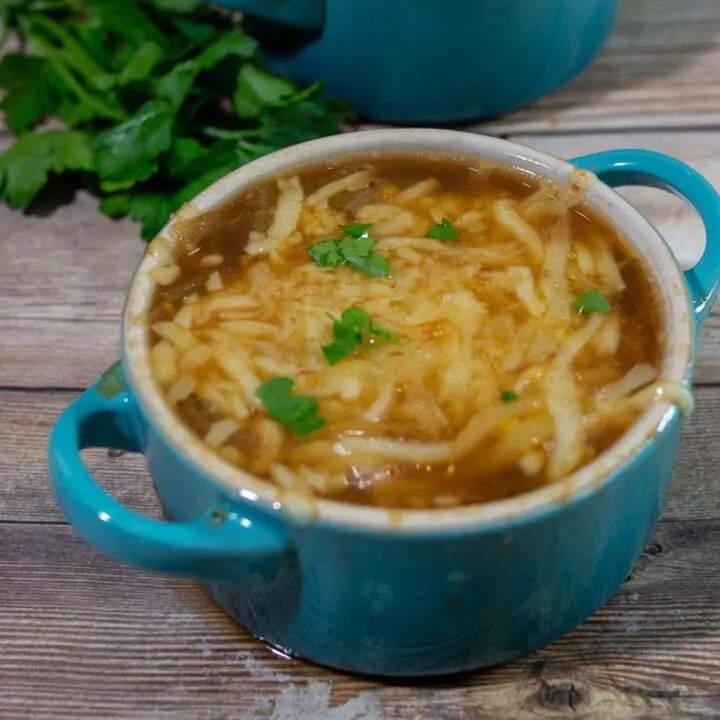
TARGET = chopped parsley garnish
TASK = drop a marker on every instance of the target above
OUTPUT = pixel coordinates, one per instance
(349, 331)
(356, 230)
(355, 247)
(508, 396)
(443, 231)
(296, 412)
(326, 253)
(355, 250)
(590, 302)
(358, 253)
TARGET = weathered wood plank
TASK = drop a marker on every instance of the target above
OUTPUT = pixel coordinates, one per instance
(25, 496)
(56, 353)
(660, 69)
(83, 637)
(73, 263)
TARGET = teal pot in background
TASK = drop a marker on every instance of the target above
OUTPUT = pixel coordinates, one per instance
(430, 61)
(401, 593)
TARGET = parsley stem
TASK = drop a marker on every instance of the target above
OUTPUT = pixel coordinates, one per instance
(4, 35)
(56, 60)
(223, 134)
(74, 54)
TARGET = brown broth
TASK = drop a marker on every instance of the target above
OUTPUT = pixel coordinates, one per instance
(492, 470)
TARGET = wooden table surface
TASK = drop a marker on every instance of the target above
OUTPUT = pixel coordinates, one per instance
(84, 637)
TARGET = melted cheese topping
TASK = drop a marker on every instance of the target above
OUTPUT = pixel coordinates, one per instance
(420, 421)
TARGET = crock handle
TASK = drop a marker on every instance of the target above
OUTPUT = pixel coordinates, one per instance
(650, 169)
(219, 545)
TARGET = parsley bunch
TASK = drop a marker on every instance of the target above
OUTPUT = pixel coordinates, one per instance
(156, 99)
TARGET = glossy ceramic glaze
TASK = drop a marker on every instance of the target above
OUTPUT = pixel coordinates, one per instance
(433, 61)
(395, 592)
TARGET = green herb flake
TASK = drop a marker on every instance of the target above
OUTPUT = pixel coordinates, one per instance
(356, 247)
(591, 302)
(356, 231)
(443, 231)
(355, 250)
(508, 396)
(326, 253)
(373, 265)
(358, 253)
(299, 413)
(354, 326)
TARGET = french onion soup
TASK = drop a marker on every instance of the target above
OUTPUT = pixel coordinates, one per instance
(405, 331)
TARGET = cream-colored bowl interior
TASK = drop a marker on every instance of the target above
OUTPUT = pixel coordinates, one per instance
(657, 258)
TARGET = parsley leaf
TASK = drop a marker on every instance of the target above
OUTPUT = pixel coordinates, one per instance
(26, 166)
(348, 333)
(345, 341)
(144, 60)
(183, 152)
(443, 231)
(326, 253)
(129, 153)
(116, 206)
(178, 83)
(258, 89)
(296, 412)
(358, 319)
(590, 302)
(31, 93)
(508, 396)
(356, 231)
(372, 265)
(151, 210)
(305, 116)
(355, 249)
(136, 26)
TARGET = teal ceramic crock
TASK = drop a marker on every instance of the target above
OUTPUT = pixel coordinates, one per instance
(403, 593)
(431, 61)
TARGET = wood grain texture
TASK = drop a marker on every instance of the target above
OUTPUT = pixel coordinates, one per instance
(84, 637)
(659, 69)
(25, 495)
(56, 353)
(27, 417)
(71, 263)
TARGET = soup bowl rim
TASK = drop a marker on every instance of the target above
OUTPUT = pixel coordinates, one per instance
(678, 327)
